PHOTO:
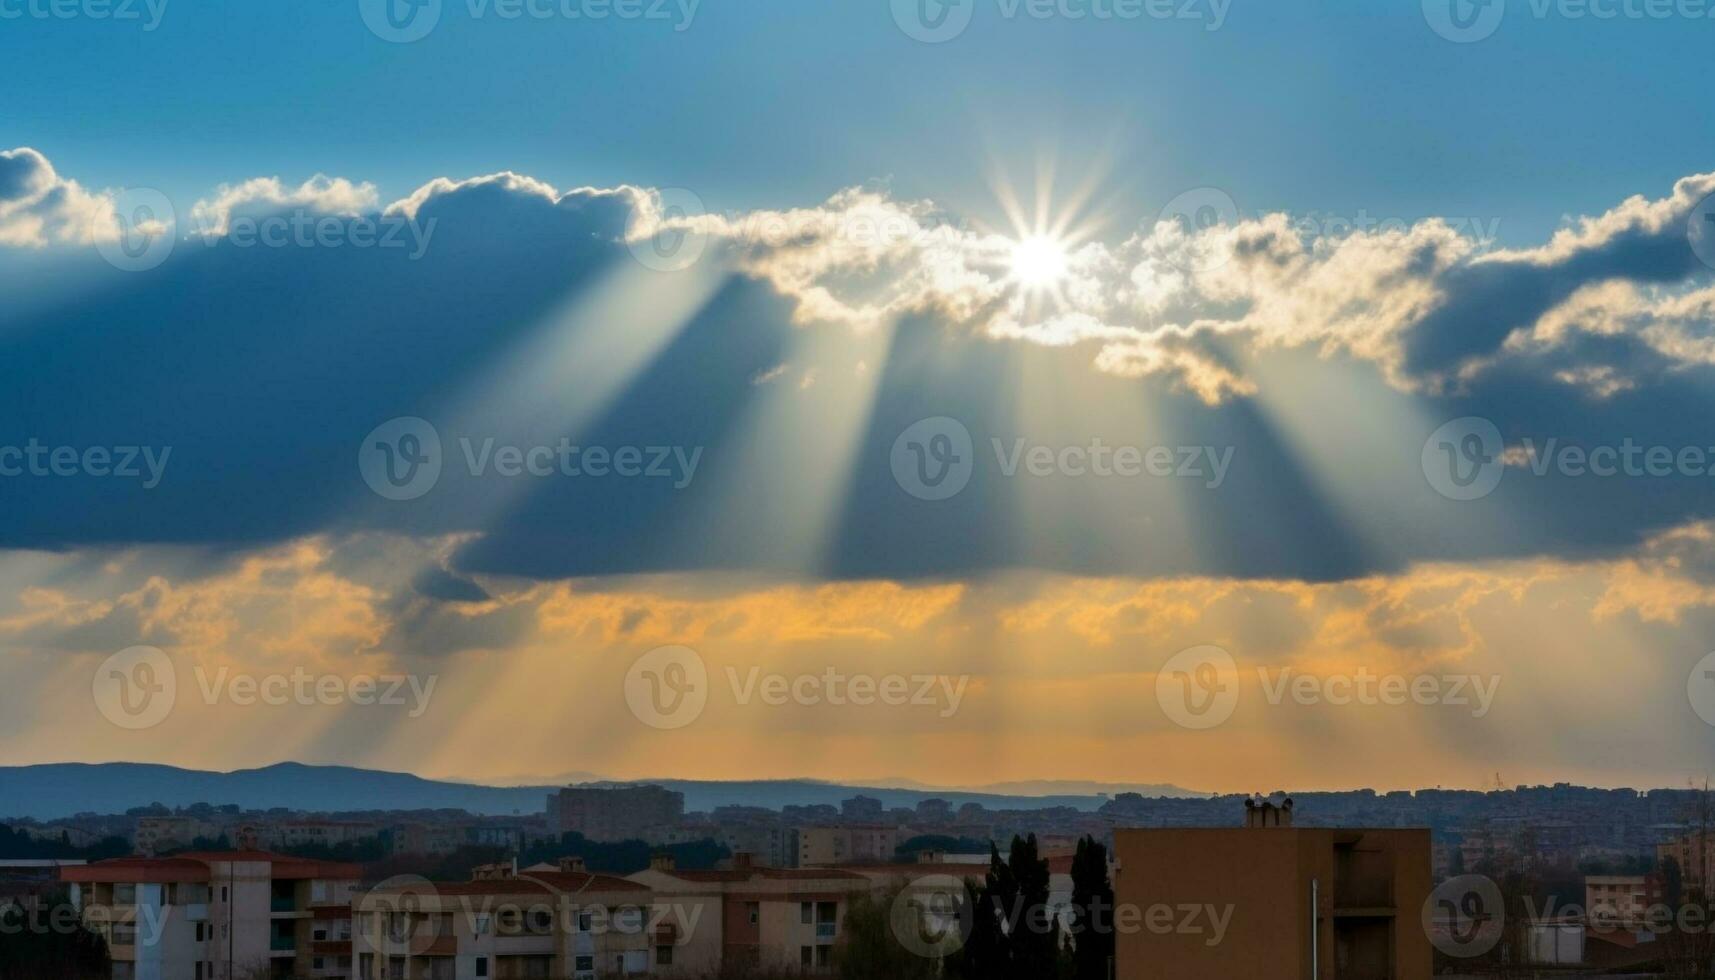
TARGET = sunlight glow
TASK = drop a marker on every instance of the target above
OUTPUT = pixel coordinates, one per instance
(1038, 262)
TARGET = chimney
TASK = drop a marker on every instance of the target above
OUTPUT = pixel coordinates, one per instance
(661, 861)
(743, 861)
(1259, 812)
(572, 864)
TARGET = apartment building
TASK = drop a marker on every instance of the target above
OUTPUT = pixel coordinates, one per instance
(324, 833)
(615, 813)
(219, 916)
(556, 924)
(844, 844)
(1620, 899)
(1296, 902)
(1695, 854)
(747, 916)
(157, 834)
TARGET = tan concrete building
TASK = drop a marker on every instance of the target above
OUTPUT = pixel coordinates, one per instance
(532, 925)
(1272, 901)
(1695, 854)
(845, 844)
(219, 916)
(748, 916)
(1620, 899)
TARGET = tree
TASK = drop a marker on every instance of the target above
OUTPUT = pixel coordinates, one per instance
(1092, 913)
(1014, 935)
(871, 950)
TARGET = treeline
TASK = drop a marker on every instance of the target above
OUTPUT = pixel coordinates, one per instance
(16, 845)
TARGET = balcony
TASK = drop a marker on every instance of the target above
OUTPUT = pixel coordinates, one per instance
(826, 930)
(283, 944)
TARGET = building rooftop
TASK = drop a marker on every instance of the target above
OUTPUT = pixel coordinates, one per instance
(197, 866)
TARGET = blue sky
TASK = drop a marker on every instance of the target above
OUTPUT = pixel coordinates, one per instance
(1297, 105)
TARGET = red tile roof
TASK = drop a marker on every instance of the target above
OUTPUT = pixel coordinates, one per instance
(579, 881)
(195, 866)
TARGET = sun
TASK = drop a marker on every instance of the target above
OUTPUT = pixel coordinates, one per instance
(1038, 262)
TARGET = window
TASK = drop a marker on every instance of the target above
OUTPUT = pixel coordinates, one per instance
(804, 909)
(805, 953)
(822, 955)
(316, 963)
(199, 970)
(482, 966)
(664, 956)
(585, 964)
(483, 924)
(584, 922)
(754, 911)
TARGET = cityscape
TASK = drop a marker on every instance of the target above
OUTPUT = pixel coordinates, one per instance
(862, 490)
